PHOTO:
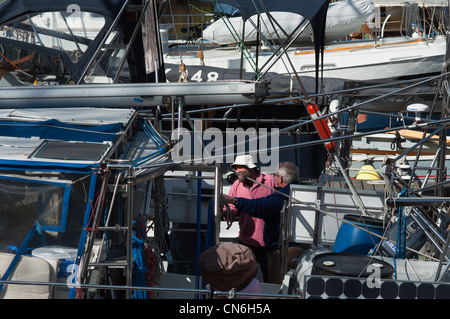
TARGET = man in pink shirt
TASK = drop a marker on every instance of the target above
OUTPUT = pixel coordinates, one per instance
(251, 228)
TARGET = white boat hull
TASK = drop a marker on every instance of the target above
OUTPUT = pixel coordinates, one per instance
(352, 61)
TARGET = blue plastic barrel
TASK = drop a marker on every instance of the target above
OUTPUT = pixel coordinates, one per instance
(353, 240)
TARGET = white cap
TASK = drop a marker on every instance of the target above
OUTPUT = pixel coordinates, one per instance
(244, 160)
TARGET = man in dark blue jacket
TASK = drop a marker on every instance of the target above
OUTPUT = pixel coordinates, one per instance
(269, 209)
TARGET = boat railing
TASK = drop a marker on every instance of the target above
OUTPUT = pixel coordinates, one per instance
(206, 292)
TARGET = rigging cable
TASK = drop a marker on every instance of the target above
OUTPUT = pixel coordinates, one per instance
(238, 40)
(175, 29)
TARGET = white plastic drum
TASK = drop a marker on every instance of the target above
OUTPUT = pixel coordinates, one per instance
(58, 256)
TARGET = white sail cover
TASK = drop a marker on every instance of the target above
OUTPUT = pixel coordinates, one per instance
(342, 19)
(400, 3)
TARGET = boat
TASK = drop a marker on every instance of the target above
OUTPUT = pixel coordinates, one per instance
(342, 62)
(318, 211)
(93, 177)
(61, 129)
(378, 56)
(343, 18)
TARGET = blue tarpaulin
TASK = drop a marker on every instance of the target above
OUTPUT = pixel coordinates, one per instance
(55, 130)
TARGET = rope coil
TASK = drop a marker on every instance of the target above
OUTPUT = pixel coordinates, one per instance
(228, 216)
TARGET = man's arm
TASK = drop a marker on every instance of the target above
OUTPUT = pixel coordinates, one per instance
(263, 207)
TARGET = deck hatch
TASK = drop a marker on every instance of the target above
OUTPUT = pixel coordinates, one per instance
(76, 151)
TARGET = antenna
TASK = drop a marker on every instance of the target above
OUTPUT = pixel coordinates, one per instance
(417, 108)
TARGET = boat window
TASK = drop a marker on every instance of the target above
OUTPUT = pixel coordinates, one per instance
(26, 200)
(107, 66)
(70, 31)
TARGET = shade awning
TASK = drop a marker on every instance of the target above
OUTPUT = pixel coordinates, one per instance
(307, 8)
(11, 9)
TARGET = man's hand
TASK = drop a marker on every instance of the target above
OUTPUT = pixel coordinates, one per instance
(227, 199)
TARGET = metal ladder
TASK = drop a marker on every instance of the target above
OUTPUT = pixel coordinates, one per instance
(89, 270)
